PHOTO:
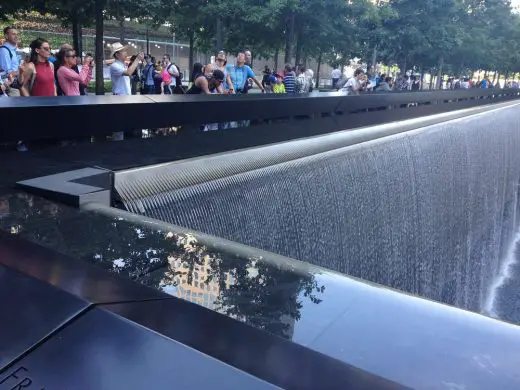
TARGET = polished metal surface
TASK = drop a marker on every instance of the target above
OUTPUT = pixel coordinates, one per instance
(31, 311)
(73, 187)
(88, 283)
(412, 341)
(420, 343)
(366, 326)
(278, 361)
(104, 352)
(340, 316)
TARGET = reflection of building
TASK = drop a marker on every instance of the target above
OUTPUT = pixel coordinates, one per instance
(199, 291)
(289, 322)
(236, 300)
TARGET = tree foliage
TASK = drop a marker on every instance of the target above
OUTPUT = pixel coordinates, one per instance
(431, 35)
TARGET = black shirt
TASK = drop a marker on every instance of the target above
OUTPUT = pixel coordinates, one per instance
(194, 90)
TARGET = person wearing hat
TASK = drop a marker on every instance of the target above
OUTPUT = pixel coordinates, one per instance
(119, 72)
(120, 76)
(207, 84)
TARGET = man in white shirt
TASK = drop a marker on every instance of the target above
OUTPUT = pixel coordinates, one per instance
(120, 76)
(355, 84)
(119, 72)
(336, 75)
(173, 71)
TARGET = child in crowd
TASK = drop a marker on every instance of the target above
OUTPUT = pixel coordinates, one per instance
(158, 79)
(279, 86)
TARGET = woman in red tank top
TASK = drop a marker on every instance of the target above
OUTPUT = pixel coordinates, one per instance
(38, 75)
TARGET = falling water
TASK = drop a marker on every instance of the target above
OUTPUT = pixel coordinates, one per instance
(431, 211)
(502, 279)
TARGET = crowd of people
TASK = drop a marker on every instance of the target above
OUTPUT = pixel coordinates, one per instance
(371, 81)
(41, 73)
(219, 77)
(67, 73)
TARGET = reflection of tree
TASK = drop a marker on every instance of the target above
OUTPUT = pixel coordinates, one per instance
(269, 298)
(254, 291)
(115, 245)
(260, 294)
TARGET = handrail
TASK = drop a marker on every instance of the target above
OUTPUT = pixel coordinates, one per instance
(101, 115)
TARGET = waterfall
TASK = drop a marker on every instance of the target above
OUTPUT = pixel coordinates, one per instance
(502, 279)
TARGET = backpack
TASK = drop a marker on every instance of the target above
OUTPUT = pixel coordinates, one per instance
(146, 72)
(341, 82)
(178, 79)
(9, 51)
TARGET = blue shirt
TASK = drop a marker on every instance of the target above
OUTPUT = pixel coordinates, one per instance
(7, 63)
(149, 71)
(239, 76)
(290, 82)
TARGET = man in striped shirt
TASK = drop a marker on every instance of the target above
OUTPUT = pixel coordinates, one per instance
(289, 79)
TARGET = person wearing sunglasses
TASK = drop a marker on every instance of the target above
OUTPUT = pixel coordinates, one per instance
(68, 79)
(220, 64)
(38, 73)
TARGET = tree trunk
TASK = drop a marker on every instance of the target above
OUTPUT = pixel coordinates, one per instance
(495, 77)
(79, 51)
(374, 58)
(75, 34)
(100, 86)
(276, 55)
(438, 82)
(298, 55)
(192, 44)
(289, 39)
(147, 39)
(219, 36)
(122, 30)
(318, 72)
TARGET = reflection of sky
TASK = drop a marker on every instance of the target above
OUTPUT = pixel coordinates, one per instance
(413, 341)
(170, 289)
